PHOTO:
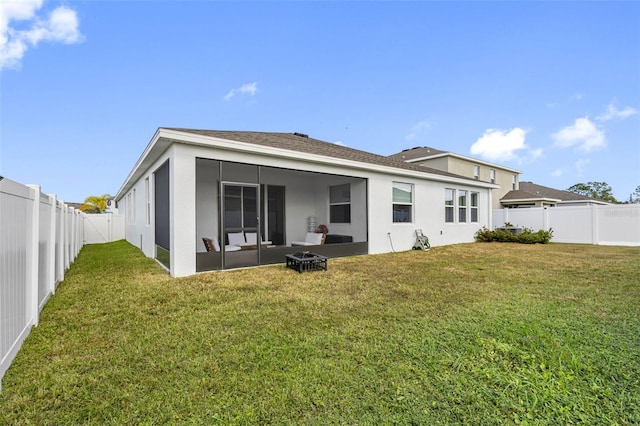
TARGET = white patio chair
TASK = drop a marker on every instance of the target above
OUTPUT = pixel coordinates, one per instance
(311, 239)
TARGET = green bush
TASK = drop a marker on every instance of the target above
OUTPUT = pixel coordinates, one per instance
(528, 236)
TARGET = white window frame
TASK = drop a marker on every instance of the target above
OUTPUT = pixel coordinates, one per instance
(463, 205)
(476, 172)
(128, 210)
(403, 186)
(493, 176)
(449, 205)
(147, 200)
(340, 203)
(474, 200)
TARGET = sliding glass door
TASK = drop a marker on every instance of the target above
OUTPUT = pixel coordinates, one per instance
(241, 224)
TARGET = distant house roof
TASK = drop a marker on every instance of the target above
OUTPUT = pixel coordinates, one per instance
(419, 153)
(532, 192)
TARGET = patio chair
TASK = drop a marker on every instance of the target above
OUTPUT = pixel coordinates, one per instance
(211, 244)
(252, 239)
(311, 239)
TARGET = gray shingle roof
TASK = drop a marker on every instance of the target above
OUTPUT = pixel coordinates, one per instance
(530, 190)
(308, 145)
(417, 152)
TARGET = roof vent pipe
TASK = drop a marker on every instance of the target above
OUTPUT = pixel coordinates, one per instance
(302, 135)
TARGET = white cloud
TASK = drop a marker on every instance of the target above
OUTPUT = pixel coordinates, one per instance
(613, 112)
(417, 129)
(500, 145)
(577, 96)
(583, 134)
(581, 164)
(248, 88)
(557, 173)
(60, 26)
(339, 143)
(534, 154)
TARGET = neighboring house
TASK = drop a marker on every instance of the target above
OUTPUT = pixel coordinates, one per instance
(505, 177)
(193, 184)
(533, 195)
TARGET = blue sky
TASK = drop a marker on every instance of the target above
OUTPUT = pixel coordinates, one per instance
(549, 88)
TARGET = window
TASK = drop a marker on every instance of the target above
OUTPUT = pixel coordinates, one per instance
(462, 206)
(449, 195)
(493, 176)
(402, 202)
(476, 172)
(474, 207)
(340, 203)
(513, 182)
(128, 208)
(129, 211)
(147, 201)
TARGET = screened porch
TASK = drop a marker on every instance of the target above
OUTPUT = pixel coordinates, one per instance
(249, 215)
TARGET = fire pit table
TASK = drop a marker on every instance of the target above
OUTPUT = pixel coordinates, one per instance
(305, 261)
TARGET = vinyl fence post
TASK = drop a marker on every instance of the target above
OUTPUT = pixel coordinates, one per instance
(51, 262)
(72, 241)
(33, 237)
(594, 224)
(67, 238)
(61, 247)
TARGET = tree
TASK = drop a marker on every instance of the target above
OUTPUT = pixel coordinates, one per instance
(95, 204)
(598, 190)
(634, 198)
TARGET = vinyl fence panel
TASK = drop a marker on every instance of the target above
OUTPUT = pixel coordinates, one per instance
(39, 238)
(617, 224)
(16, 205)
(103, 228)
(572, 225)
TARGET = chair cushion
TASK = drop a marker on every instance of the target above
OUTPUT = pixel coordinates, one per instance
(208, 244)
(236, 238)
(313, 238)
(211, 244)
(252, 237)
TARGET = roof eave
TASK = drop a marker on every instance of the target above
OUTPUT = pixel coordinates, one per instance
(239, 146)
(529, 200)
(462, 157)
(590, 201)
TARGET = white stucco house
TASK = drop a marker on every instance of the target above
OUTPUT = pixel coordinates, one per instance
(274, 187)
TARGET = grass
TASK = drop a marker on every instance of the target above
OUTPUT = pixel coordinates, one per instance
(482, 333)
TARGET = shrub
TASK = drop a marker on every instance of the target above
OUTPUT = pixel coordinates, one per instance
(528, 236)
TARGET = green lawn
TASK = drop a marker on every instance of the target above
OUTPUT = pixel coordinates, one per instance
(483, 333)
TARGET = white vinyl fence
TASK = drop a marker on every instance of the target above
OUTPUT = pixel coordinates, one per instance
(39, 239)
(617, 224)
(103, 228)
